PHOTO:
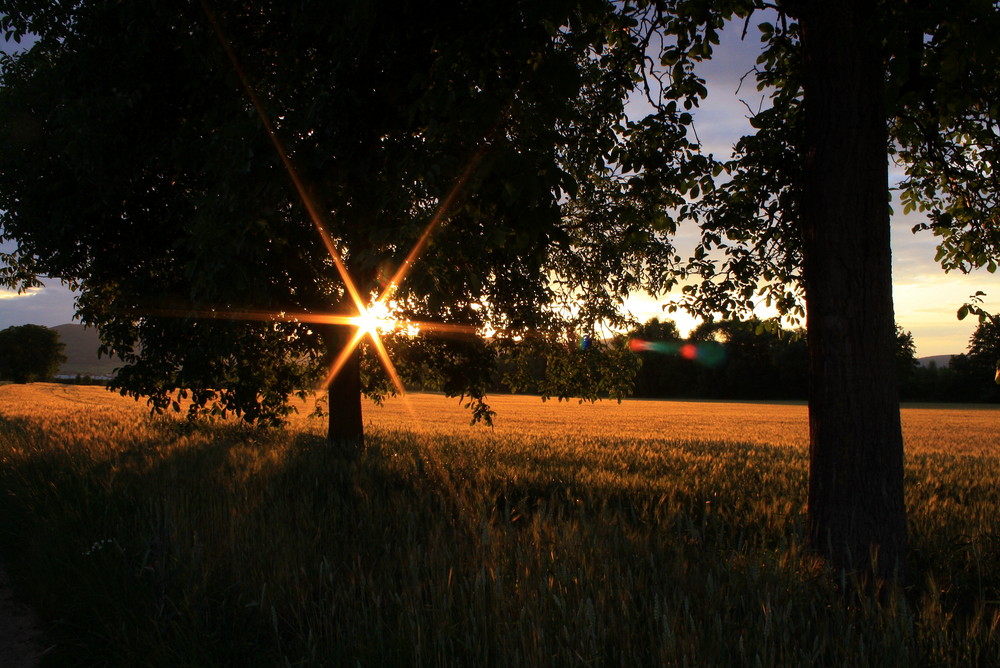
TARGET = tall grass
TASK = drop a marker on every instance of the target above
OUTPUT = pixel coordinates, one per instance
(164, 543)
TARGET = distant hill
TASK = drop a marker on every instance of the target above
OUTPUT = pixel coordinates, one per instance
(81, 352)
(940, 361)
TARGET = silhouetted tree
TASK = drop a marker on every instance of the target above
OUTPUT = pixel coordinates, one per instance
(29, 353)
(750, 369)
(974, 372)
(906, 357)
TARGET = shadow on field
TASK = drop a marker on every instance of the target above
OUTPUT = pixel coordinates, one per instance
(215, 545)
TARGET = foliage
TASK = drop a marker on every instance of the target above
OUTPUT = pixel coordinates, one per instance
(966, 378)
(498, 126)
(941, 91)
(164, 543)
(556, 369)
(29, 353)
(944, 87)
(750, 247)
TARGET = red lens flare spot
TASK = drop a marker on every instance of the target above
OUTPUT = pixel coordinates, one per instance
(638, 345)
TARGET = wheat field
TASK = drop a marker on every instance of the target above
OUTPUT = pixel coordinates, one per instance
(642, 533)
(965, 430)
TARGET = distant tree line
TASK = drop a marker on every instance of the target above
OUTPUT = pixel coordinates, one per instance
(758, 359)
(720, 360)
(80, 379)
(737, 359)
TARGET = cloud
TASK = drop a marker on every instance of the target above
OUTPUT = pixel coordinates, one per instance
(10, 294)
(48, 306)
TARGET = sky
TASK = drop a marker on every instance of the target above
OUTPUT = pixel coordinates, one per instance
(926, 299)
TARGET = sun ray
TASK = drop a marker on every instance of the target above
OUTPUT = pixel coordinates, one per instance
(439, 215)
(341, 360)
(364, 322)
(444, 327)
(261, 316)
(387, 364)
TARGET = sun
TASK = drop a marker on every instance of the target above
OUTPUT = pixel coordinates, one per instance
(375, 319)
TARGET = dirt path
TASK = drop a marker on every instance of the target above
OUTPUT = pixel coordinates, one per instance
(20, 632)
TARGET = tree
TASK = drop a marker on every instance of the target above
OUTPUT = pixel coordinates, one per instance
(808, 218)
(227, 183)
(977, 368)
(984, 345)
(799, 217)
(906, 356)
(29, 353)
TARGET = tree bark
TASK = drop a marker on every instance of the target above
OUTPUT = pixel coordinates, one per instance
(346, 428)
(857, 516)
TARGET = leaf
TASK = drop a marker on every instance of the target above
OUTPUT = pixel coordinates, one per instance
(963, 312)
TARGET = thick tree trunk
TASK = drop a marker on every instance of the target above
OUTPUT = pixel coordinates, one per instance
(857, 516)
(346, 428)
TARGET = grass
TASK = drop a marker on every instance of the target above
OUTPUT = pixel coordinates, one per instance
(647, 533)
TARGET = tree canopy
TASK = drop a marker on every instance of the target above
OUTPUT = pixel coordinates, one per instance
(940, 90)
(139, 163)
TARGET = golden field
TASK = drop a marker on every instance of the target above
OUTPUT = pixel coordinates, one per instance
(962, 430)
(646, 533)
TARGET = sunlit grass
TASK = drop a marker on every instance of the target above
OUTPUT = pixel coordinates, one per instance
(647, 533)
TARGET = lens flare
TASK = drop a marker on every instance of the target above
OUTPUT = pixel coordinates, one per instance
(707, 353)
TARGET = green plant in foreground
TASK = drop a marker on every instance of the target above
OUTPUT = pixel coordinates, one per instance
(171, 544)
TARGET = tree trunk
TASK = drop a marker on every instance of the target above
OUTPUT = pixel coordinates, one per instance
(857, 517)
(346, 428)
